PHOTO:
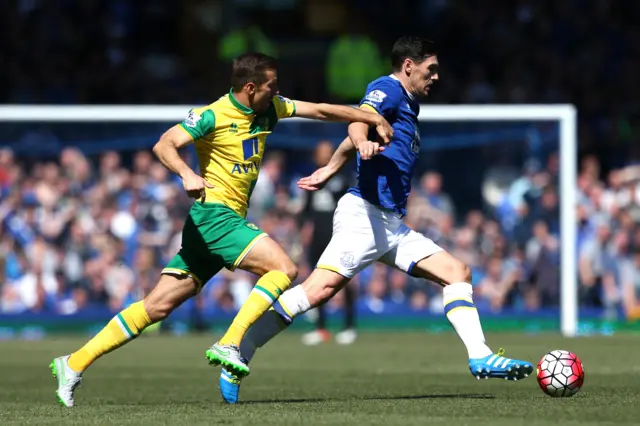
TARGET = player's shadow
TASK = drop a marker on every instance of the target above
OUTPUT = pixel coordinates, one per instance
(372, 398)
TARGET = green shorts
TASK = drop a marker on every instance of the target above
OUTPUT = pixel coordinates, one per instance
(213, 237)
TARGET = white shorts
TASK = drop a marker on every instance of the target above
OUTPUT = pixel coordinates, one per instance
(364, 233)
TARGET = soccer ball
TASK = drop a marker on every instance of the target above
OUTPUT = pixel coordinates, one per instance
(560, 374)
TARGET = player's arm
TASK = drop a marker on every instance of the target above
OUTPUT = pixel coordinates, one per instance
(330, 112)
(359, 136)
(381, 99)
(345, 152)
(166, 149)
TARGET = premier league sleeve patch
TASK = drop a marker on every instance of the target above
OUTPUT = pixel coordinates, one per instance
(375, 97)
(192, 119)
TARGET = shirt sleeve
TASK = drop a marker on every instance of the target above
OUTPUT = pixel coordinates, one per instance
(199, 123)
(285, 107)
(381, 98)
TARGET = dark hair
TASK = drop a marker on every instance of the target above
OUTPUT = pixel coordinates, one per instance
(251, 67)
(411, 47)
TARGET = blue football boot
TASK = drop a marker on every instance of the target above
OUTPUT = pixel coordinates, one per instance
(498, 367)
(229, 386)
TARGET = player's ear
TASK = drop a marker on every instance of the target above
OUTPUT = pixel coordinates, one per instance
(408, 66)
(250, 87)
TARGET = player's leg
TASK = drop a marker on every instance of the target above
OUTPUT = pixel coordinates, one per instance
(421, 257)
(316, 290)
(183, 276)
(168, 294)
(357, 241)
(319, 287)
(264, 257)
(320, 334)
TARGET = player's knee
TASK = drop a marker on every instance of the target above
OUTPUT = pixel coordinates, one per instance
(461, 273)
(457, 272)
(158, 310)
(289, 269)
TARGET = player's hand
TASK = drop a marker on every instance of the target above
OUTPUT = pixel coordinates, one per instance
(384, 129)
(368, 149)
(195, 185)
(316, 181)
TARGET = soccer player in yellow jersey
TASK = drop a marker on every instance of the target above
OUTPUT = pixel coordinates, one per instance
(230, 137)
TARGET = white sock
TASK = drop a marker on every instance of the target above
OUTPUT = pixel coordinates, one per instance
(290, 304)
(294, 302)
(463, 316)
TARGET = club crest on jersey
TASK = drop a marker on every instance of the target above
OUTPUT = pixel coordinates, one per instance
(192, 119)
(375, 96)
(347, 260)
(251, 226)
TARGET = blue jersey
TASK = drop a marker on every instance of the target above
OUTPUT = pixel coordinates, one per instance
(385, 179)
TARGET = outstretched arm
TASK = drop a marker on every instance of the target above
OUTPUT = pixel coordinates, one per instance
(345, 152)
(329, 112)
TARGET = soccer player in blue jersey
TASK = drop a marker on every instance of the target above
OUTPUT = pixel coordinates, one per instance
(368, 222)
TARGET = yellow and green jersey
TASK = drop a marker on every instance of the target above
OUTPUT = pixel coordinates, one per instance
(230, 139)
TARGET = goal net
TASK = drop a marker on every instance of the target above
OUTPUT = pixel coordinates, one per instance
(88, 218)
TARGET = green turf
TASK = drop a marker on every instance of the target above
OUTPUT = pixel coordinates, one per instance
(384, 379)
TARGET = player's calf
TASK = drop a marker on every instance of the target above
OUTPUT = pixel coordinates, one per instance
(322, 285)
(461, 312)
(457, 297)
(170, 292)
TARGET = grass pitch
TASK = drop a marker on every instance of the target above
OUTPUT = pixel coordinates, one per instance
(383, 379)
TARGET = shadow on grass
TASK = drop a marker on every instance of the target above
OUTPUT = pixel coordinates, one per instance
(370, 398)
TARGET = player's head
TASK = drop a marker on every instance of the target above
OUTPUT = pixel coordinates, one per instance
(415, 61)
(255, 78)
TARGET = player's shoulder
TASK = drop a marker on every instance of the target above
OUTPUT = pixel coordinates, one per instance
(383, 91)
(220, 105)
(283, 106)
(203, 118)
(280, 100)
(386, 84)
(201, 110)
(384, 88)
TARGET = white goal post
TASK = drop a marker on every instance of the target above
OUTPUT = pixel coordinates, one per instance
(564, 114)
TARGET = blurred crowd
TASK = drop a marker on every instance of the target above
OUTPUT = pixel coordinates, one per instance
(77, 234)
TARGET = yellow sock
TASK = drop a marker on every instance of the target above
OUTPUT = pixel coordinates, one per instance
(125, 326)
(266, 291)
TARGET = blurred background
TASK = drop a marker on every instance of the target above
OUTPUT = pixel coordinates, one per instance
(88, 217)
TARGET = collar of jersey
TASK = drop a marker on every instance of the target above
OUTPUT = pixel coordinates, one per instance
(405, 90)
(243, 109)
